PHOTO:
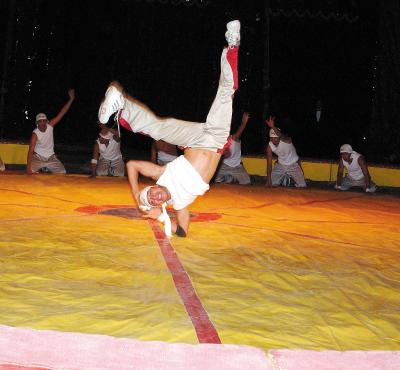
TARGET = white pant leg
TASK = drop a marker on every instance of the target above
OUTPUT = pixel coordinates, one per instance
(142, 120)
(277, 174)
(219, 117)
(233, 174)
(118, 168)
(103, 167)
(211, 135)
(348, 183)
(296, 173)
(53, 164)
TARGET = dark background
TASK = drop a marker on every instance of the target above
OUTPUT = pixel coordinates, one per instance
(166, 53)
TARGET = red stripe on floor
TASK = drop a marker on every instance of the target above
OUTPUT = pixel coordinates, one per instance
(205, 330)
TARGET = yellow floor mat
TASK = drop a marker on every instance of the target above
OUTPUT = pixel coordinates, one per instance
(273, 268)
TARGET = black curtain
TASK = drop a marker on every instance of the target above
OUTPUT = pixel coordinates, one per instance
(385, 126)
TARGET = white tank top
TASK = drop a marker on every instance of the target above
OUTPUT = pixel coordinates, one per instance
(45, 143)
(286, 153)
(112, 152)
(353, 169)
(235, 154)
(165, 157)
(183, 182)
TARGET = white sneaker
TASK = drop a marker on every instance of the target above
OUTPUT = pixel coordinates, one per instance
(232, 34)
(113, 102)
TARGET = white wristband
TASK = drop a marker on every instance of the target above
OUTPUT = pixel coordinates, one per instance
(93, 161)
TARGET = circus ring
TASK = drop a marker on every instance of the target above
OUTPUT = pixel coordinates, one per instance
(290, 271)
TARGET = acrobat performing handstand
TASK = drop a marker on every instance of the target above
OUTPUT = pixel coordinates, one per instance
(179, 182)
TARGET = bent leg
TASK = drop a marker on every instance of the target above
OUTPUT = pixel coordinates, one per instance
(348, 183)
(54, 165)
(103, 167)
(37, 163)
(296, 173)
(137, 117)
(277, 174)
(118, 168)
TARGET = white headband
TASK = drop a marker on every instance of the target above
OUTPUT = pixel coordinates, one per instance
(272, 132)
(143, 197)
(107, 136)
(146, 206)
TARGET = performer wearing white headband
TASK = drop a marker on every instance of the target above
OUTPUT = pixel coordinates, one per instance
(107, 158)
(357, 171)
(288, 163)
(41, 147)
(183, 179)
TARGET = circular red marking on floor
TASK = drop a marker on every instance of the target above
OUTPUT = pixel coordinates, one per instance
(133, 213)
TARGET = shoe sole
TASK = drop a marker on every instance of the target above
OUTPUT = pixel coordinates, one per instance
(113, 85)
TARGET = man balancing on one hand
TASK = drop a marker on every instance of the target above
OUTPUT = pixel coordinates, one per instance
(182, 180)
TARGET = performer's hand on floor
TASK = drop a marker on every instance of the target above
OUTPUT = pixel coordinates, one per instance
(154, 213)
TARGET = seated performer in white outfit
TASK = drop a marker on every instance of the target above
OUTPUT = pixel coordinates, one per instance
(357, 171)
(41, 148)
(288, 163)
(231, 169)
(182, 180)
(162, 152)
(107, 157)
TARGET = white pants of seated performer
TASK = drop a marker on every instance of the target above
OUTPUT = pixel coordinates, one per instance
(210, 135)
(294, 171)
(110, 168)
(232, 174)
(52, 163)
(348, 183)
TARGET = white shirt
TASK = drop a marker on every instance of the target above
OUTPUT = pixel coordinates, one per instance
(235, 154)
(45, 142)
(183, 182)
(112, 152)
(286, 153)
(354, 170)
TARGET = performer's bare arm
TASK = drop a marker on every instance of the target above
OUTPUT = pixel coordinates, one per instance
(271, 124)
(269, 166)
(144, 168)
(32, 145)
(364, 169)
(340, 173)
(64, 109)
(182, 226)
(245, 118)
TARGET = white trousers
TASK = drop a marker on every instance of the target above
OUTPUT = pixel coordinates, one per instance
(110, 168)
(212, 134)
(52, 163)
(294, 171)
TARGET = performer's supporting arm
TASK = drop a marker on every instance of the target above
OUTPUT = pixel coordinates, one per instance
(339, 176)
(364, 169)
(32, 145)
(182, 226)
